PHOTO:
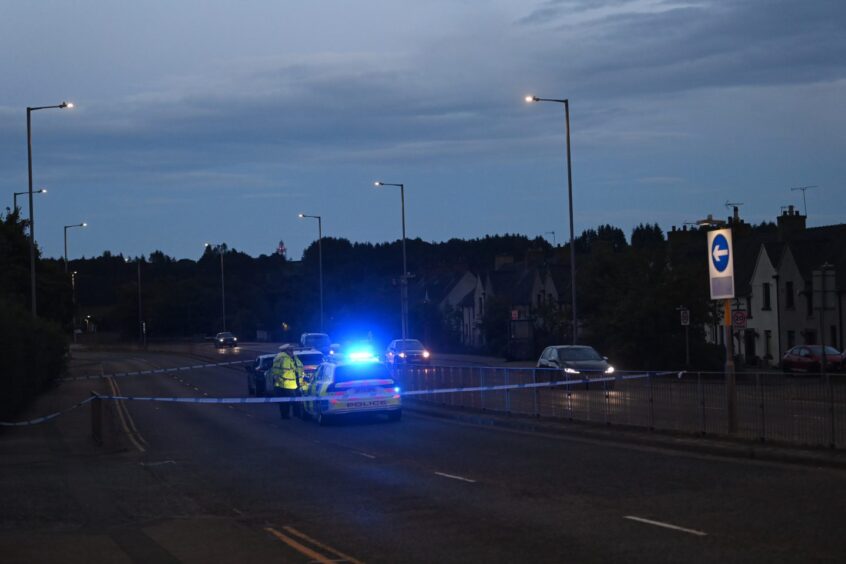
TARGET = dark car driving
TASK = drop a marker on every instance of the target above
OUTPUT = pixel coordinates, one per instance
(576, 361)
(225, 339)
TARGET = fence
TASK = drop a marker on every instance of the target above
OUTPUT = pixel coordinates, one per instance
(798, 409)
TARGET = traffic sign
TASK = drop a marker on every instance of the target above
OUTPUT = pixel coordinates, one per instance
(721, 264)
(685, 317)
(738, 319)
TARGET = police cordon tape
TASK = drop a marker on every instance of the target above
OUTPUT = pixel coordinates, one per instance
(274, 399)
(156, 371)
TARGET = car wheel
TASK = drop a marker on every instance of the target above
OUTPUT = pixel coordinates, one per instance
(322, 418)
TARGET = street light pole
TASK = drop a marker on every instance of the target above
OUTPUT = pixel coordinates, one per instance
(320, 258)
(29, 111)
(142, 333)
(16, 194)
(83, 224)
(566, 103)
(404, 278)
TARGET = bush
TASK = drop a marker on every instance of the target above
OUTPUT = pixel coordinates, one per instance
(34, 353)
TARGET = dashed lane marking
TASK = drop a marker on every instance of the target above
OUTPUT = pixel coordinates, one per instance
(454, 477)
(364, 454)
(666, 525)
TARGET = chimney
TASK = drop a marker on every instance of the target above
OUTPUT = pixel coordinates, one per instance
(790, 222)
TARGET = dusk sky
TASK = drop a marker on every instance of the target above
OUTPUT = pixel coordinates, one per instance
(219, 121)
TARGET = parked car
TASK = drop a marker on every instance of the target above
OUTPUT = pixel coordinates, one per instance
(407, 351)
(577, 361)
(808, 358)
(225, 339)
(257, 374)
(353, 387)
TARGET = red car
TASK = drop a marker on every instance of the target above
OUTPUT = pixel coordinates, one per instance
(808, 358)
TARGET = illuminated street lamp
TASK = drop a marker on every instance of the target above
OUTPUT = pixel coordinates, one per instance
(566, 102)
(16, 194)
(320, 258)
(221, 249)
(404, 278)
(83, 224)
(29, 111)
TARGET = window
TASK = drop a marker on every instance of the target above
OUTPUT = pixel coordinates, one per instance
(788, 295)
(768, 339)
(766, 296)
(749, 306)
(810, 337)
(791, 339)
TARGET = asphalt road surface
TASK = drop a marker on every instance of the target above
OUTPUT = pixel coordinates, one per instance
(213, 483)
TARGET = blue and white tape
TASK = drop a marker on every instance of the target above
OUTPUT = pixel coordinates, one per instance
(284, 399)
(156, 371)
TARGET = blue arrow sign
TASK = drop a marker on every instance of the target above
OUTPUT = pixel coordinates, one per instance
(720, 253)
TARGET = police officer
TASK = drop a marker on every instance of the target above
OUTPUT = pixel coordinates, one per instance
(287, 372)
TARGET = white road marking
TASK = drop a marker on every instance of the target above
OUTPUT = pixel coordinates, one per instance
(456, 477)
(666, 525)
(364, 454)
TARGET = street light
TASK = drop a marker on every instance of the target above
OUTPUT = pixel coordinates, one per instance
(404, 278)
(142, 333)
(83, 224)
(16, 194)
(29, 111)
(221, 248)
(566, 102)
(320, 258)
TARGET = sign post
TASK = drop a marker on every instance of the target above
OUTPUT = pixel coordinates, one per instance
(684, 318)
(721, 275)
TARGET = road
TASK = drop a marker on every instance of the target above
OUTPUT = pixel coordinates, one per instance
(212, 483)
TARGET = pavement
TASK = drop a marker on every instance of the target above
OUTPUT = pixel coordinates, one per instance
(216, 483)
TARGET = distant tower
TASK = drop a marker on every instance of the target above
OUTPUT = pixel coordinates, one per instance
(281, 250)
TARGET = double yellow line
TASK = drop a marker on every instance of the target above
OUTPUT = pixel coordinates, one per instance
(126, 419)
(297, 544)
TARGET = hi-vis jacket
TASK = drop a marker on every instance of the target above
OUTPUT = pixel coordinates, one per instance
(286, 371)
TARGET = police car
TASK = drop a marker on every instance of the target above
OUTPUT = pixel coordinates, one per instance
(355, 385)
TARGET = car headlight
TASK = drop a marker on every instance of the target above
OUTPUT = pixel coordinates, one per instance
(609, 370)
(426, 354)
(221, 340)
(235, 339)
(569, 370)
(401, 355)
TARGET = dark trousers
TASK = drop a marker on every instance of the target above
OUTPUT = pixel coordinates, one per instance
(286, 407)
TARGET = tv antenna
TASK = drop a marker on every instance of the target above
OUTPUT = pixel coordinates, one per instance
(554, 243)
(804, 188)
(732, 204)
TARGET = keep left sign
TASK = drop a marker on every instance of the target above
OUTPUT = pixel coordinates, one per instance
(721, 264)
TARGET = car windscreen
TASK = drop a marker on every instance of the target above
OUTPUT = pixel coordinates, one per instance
(310, 358)
(316, 341)
(578, 353)
(225, 335)
(410, 345)
(363, 371)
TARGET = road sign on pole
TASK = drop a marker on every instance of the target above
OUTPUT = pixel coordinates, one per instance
(721, 264)
(738, 319)
(685, 317)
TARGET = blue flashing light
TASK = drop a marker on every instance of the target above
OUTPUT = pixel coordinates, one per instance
(362, 356)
